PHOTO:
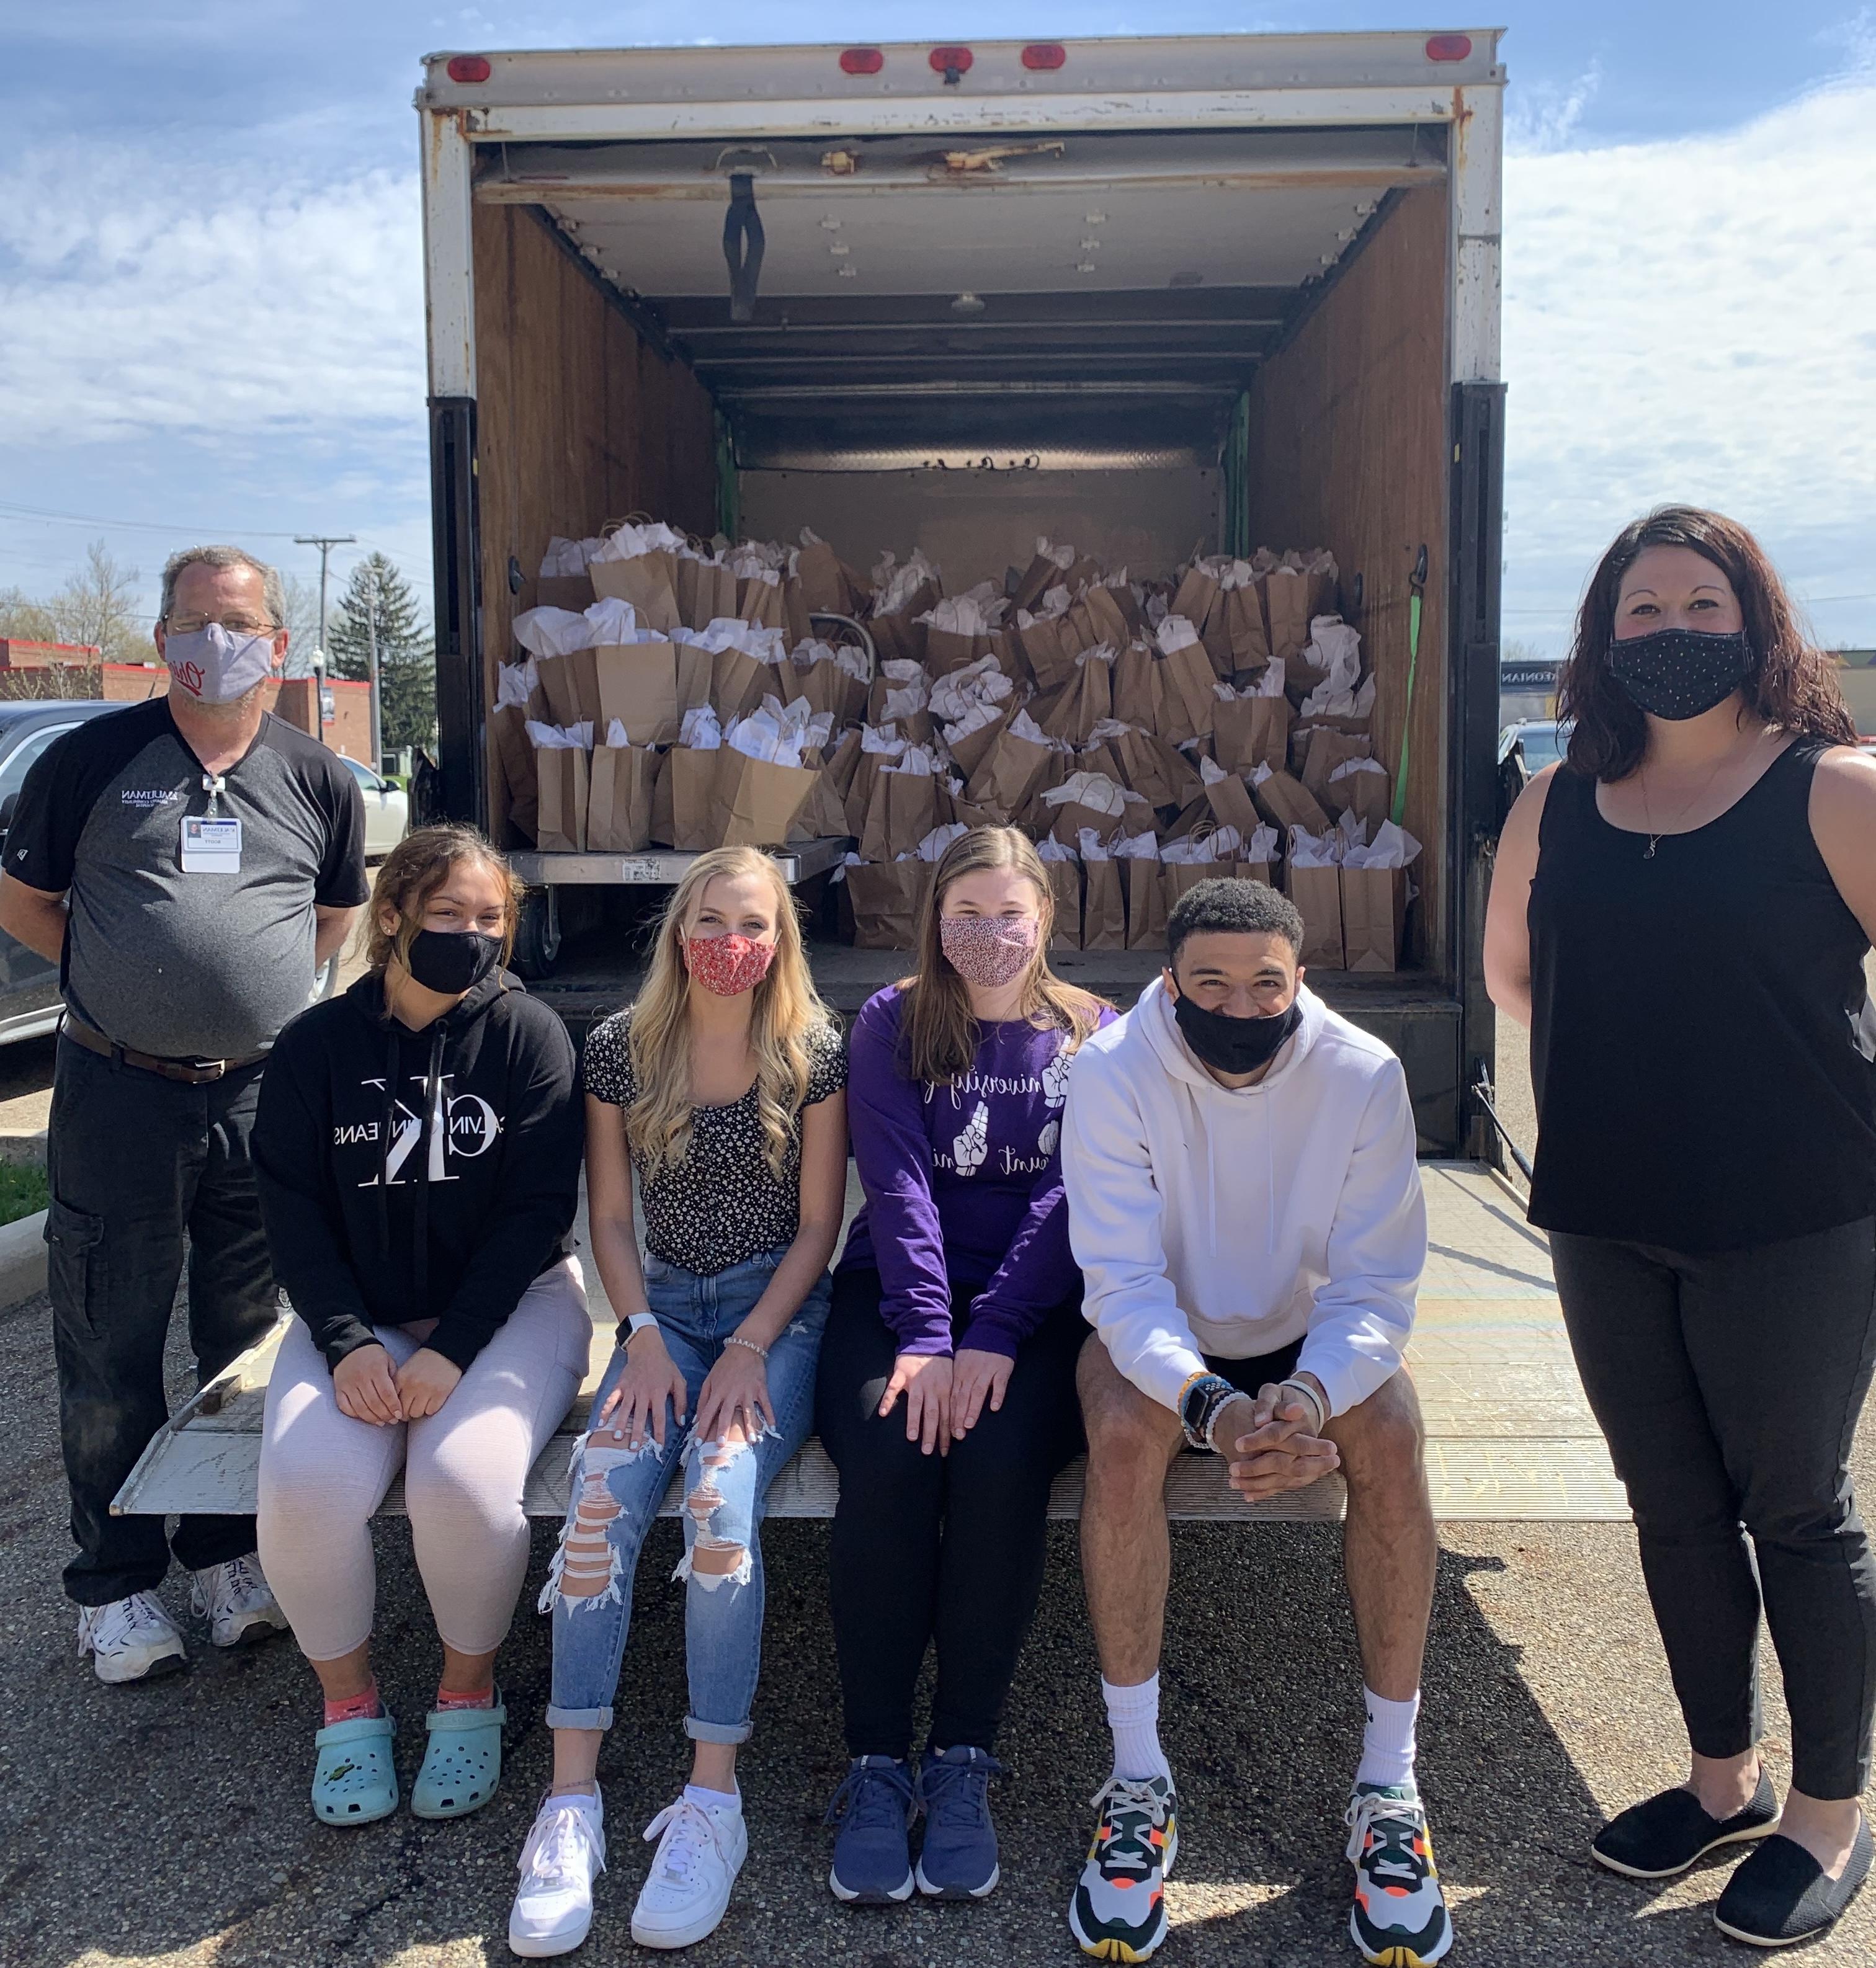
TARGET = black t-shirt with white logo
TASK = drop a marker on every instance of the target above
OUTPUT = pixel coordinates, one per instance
(187, 964)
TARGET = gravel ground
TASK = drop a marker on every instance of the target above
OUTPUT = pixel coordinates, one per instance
(167, 1824)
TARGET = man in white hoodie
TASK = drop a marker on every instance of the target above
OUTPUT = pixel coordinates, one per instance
(1245, 1207)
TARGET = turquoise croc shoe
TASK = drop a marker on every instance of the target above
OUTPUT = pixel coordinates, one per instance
(462, 1764)
(354, 1779)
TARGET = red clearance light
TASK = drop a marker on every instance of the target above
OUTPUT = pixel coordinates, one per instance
(862, 61)
(1449, 47)
(950, 61)
(1044, 55)
(468, 68)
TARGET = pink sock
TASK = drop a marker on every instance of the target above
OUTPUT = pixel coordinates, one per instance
(355, 1707)
(448, 1698)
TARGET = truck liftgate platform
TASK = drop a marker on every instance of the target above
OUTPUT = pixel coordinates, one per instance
(1509, 1436)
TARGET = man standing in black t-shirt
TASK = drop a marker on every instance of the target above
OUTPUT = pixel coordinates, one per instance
(190, 862)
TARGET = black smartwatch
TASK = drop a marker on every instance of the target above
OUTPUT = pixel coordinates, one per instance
(1200, 1405)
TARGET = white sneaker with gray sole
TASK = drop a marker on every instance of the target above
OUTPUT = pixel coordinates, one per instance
(238, 1603)
(130, 1640)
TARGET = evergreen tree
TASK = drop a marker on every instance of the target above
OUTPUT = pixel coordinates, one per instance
(376, 594)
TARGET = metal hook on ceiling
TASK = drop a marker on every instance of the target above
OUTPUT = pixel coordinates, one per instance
(742, 246)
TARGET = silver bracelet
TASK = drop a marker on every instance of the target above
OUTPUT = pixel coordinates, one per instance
(760, 1352)
(1211, 1420)
(1315, 1401)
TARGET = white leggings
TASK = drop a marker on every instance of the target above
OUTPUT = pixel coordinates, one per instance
(323, 1475)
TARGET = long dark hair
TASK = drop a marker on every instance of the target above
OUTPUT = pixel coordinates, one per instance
(1792, 684)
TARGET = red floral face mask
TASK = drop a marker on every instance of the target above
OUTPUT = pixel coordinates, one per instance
(989, 950)
(728, 965)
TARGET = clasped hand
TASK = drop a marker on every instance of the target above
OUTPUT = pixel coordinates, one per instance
(1274, 1451)
(369, 1388)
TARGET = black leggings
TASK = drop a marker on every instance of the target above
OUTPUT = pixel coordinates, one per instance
(1728, 1386)
(937, 1548)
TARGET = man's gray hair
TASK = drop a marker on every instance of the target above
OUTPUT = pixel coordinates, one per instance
(274, 595)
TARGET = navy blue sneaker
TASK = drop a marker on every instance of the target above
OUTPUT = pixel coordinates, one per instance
(959, 1860)
(873, 1855)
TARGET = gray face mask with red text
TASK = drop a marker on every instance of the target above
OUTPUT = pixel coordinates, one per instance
(215, 666)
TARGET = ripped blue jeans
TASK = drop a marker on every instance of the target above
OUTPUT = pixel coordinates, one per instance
(616, 1491)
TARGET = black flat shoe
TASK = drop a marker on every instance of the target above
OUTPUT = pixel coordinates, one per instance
(1780, 1895)
(1666, 1834)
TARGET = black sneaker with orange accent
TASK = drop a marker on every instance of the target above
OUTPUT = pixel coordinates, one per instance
(1119, 1910)
(1399, 1919)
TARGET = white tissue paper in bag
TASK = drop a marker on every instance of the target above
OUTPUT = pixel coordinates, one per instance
(1090, 845)
(1096, 790)
(1175, 632)
(1313, 850)
(883, 739)
(552, 631)
(1137, 847)
(1051, 849)
(700, 729)
(560, 738)
(613, 621)
(933, 847)
(1391, 847)
(515, 683)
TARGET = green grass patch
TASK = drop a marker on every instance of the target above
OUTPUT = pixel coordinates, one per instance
(22, 1192)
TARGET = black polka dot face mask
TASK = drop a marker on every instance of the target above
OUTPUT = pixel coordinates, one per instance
(1679, 673)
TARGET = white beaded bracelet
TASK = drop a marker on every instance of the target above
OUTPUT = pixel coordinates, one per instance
(761, 1352)
(1315, 1401)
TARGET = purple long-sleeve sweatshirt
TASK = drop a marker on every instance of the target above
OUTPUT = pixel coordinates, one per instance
(963, 1182)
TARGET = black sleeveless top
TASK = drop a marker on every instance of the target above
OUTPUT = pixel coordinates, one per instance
(1700, 1037)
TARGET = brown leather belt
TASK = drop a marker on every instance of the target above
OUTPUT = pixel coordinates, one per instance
(190, 1072)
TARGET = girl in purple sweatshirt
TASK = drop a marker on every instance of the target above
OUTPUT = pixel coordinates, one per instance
(946, 1389)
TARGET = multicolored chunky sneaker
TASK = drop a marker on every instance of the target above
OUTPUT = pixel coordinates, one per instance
(1119, 1910)
(1399, 1918)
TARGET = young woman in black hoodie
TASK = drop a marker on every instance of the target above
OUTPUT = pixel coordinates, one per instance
(418, 1144)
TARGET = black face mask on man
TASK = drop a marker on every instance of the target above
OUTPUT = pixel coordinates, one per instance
(1233, 1045)
(450, 962)
(1681, 673)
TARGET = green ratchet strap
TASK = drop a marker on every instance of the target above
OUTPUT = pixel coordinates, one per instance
(1418, 580)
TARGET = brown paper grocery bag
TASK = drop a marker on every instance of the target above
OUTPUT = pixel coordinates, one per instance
(1231, 801)
(758, 800)
(514, 751)
(1195, 595)
(1146, 905)
(738, 683)
(1256, 871)
(823, 580)
(759, 602)
(1067, 819)
(822, 817)
(967, 752)
(1065, 882)
(1286, 802)
(1365, 794)
(637, 684)
(1252, 731)
(887, 899)
(1187, 701)
(688, 784)
(562, 773)
(1215, 634)
(1008, 775)
(843, 762)
(1325, 750)
(1109, 621)
(1317, 894)
(1040, 575)
(556, 685)
(1133, 687)
(1103, 906)
(824, 684)
(1244, 617)
(901, 811)
(1083, 702)
(1374, 914)
(1158, 771)
(621, 781)
(1050, 656)
(946, 650)
(647, 583)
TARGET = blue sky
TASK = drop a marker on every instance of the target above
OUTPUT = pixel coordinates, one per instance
(211, 301)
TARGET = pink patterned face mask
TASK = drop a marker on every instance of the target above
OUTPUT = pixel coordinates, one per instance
(728, 965)
(990, 950)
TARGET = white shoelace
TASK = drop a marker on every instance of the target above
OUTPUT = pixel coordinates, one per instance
(124, 1622)
(686, 1828)
(1363, 1811)
(560, 1844)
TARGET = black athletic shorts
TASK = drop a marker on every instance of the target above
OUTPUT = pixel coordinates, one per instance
(1261, 1370)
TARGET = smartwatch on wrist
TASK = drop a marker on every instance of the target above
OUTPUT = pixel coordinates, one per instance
(1204, 1395)
(639, 1322)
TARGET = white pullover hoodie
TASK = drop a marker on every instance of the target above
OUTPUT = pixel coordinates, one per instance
(1210, 1220)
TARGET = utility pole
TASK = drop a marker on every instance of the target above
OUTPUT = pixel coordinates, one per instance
(377, 716)
(325, 542)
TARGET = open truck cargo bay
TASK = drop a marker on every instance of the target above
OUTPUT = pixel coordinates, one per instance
(1151, 296)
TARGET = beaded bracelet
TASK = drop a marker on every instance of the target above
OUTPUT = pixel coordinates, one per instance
(761, 1352)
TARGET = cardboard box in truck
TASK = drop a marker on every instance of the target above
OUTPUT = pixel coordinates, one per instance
(1156, 297)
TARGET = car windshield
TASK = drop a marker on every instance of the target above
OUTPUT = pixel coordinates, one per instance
(363, 775)
(1543, 745)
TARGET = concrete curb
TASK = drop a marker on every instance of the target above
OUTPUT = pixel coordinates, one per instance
(22, 1259)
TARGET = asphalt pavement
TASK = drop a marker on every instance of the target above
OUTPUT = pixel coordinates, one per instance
(168, 1823)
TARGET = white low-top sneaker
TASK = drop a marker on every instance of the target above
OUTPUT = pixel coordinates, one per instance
(238, 1603)
(130, 1639)
(700, 1852)
(565, 1852)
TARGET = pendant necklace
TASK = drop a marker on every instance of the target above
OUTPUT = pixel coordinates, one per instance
(1705, 787)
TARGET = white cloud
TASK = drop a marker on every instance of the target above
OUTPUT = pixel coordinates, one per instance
(1696, 319)
(136, 297)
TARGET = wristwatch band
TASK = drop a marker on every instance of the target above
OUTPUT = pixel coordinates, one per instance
(1198, 1406)
(637, 1324)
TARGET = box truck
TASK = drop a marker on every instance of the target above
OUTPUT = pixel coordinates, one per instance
(1150, 296)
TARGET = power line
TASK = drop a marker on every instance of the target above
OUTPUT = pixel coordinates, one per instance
(9, 511)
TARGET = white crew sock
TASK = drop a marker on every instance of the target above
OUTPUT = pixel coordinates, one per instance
(1387, 1741)
(1133, 1715)
(723, 1802)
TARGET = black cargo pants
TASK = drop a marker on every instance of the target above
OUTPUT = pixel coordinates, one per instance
(134, 1161)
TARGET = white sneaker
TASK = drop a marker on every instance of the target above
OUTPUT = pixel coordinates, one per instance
(238, 1603)
(566, 1851)
(700, 1853)
(130, 1639)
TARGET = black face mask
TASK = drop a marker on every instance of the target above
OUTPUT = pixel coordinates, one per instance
(450, 962)
(1232, 1045)
(1681, 673)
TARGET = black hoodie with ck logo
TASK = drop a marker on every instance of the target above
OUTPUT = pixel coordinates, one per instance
(406, 1175)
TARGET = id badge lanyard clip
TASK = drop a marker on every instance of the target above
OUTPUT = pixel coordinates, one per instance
(214, 785)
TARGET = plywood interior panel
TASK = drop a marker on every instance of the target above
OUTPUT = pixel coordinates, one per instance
(578, 420)
(1348, 450)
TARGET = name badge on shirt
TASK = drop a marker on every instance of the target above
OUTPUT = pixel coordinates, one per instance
(211, 846)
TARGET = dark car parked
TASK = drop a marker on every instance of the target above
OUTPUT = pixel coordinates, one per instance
(29, 985)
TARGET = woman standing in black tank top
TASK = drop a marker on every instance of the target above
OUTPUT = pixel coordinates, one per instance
(1680, 913)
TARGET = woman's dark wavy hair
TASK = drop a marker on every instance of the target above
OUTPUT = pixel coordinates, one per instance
(1792, 683)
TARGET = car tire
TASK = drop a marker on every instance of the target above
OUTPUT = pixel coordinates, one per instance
(537, 937)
